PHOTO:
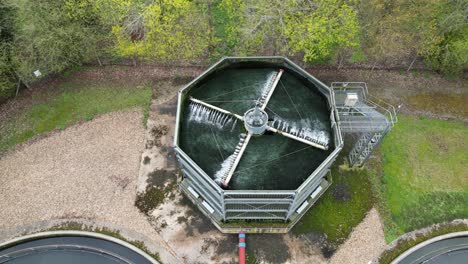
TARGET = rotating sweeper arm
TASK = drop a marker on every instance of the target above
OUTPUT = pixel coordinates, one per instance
(266, 96)
(200, 102)
(308, 141)
(270, 88)
(240, 148)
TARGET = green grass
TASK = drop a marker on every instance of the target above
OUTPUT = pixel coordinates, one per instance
(341, 208)
(421, 180)
(74, 102)
(425, 176)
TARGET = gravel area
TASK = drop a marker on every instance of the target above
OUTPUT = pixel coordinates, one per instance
(365, 243)
(87, 171)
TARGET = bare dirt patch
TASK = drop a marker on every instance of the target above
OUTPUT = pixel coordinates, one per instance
(270, 248)
(158, 155)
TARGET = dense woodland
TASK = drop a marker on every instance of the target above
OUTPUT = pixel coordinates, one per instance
(53, 35)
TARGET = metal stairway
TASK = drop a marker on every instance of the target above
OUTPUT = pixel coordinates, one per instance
(370, 119)
(364, 147)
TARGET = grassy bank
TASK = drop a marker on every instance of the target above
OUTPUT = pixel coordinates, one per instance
(70, 103)
(425, 180)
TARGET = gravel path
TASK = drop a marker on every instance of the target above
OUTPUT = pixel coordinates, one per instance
(365, 243)
(87, 171)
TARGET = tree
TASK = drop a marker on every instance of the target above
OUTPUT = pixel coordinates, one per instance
(163, 30)
(446, 47)
(52, 35)
(322, 28)
(258, 27)
(316, 29)
(388, 30)
(7, 76)
(225, 23)
(399, 31)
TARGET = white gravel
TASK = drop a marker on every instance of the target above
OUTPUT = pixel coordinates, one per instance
(87, 171)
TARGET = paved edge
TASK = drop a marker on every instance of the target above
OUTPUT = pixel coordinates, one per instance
(411, 235)
(427, 242)
(48, 234)
(41, 227)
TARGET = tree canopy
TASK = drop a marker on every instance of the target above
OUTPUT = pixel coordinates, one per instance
(7, 75)
(161, 30)
(432, 29)
(52, 35)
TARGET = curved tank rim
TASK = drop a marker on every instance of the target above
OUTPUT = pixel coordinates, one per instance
(75, 233)
(425, 243)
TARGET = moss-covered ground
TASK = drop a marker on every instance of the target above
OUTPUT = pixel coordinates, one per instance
(341, 208)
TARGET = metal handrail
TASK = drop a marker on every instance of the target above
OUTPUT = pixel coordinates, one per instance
(381, 106)
(391, 115)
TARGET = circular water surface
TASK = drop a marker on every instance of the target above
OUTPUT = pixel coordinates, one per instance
(70, 249)
(270, 161)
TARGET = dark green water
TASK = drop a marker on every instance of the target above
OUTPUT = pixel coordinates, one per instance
(270, 162)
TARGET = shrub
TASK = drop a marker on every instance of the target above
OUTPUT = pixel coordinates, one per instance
(150, 199)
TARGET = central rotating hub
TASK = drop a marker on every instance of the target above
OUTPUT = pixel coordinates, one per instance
(256, 121)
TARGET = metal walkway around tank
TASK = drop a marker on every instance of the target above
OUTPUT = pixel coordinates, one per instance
(368, 116)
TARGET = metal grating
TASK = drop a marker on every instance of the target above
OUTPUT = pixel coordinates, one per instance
(370, 119)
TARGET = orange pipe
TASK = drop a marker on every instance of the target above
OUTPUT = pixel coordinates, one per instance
(241, 248)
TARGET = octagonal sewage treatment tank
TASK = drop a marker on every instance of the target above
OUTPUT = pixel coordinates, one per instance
(258, 130)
